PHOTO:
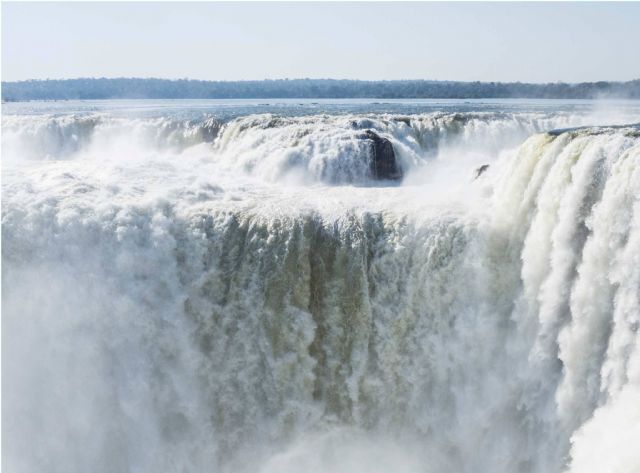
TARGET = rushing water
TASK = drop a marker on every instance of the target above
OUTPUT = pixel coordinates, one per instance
(225, 287)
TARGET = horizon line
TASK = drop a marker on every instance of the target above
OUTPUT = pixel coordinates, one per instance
(188, 79)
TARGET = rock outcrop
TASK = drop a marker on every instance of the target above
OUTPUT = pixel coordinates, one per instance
(384, 165)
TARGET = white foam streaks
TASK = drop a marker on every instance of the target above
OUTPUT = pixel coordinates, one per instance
(186, 311)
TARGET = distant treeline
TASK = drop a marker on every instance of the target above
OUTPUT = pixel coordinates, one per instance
(306, 88)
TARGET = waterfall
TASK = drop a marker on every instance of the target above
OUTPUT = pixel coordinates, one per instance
(202, 311)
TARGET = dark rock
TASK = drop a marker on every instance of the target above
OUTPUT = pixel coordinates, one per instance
(209, 130)
(405, 120)
(481, 170)
(383, 163)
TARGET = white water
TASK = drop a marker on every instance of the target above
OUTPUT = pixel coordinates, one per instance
(285, 149)
(177, 305)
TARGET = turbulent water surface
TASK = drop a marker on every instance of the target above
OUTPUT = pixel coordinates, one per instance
(227, 287)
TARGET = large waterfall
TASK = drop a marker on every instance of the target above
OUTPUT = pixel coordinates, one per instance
(241, 295)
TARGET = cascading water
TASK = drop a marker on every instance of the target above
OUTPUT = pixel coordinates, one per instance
(257, 302)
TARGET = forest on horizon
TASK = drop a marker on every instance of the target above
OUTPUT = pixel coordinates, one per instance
(140, 88)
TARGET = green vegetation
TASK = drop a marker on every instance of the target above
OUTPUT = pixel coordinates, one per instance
(306, 88)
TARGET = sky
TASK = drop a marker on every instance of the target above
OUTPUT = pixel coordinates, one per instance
(528, 42)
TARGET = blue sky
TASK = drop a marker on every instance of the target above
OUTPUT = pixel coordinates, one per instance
(532, 42)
